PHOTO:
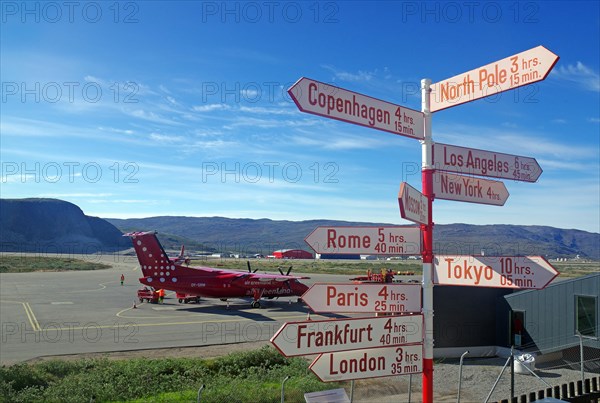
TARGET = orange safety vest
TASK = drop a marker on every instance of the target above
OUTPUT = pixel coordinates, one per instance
(161, 293)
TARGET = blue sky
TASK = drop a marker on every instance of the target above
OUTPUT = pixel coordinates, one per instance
(138, 109)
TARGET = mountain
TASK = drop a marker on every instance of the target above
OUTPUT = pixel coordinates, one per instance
(50, 225)
(249, 236)
(54, 226)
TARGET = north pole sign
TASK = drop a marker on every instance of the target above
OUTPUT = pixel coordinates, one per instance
(520, 272)
(449, 186)
(371, 363)
(396, 240)
(337, 103)
(364, 297)
(485, 163)
(515, 71)
(328, 336)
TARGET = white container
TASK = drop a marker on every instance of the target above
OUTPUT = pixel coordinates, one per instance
(522, 361)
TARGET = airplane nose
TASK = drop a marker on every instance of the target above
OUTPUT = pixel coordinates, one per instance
(299, 288)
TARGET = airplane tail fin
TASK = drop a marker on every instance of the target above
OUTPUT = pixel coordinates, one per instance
(152, 257)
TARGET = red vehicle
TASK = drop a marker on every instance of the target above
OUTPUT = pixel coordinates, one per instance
(172, 274)
(147, 294)
(185, 298)
(386, 276)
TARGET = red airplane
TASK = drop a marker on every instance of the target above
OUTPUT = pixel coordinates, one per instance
(160, 271)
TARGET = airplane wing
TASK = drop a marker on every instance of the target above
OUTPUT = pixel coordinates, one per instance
(276, 277)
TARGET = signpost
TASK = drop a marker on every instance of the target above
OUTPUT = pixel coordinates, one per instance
(365, 297)
(321, 99)
(327, 336)
(456, 187)
(520, 272)
(371, 363)
(337, 103)
(366, 240)
(413, 205)
(485, 163)
(515, 71)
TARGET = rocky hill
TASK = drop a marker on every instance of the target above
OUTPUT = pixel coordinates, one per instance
(264, 236)
(54, 226)
(50, 225)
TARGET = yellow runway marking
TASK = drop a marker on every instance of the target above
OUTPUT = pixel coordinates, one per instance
(32, 319)
(35, 325)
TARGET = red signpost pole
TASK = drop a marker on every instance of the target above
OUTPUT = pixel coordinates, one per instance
(427, 170)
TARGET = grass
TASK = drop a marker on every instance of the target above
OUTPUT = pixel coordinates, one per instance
(352, 267)
(249, 376)
(576, 269)
(24, 264)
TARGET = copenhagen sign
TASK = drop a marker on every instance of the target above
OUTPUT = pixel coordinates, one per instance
(337, 103)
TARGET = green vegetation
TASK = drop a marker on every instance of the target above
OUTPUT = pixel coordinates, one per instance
(353, 267)
(576, 269)
(24, 264)
(571, 268)
(250, 376)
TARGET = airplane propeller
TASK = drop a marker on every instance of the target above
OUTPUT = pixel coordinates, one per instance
(249, 268)
(286, 274)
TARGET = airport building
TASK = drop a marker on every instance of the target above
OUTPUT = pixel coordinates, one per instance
(487, 321)
(292, 254)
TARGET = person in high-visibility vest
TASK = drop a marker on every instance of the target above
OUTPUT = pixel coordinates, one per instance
(122, 279)
(161, 296)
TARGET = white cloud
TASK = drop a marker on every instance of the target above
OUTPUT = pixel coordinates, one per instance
(166, 138)
(115, 130)
(77, 195)
(529, 142)
(211, 107)
(249, 94)
(268, 111)
(152, 117)
(580, 74)
(360, 76)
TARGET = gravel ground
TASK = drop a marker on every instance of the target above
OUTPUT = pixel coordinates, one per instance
(479, 375)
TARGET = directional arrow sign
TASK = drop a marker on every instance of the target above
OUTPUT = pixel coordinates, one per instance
(367, 297)
(519, 272)
(523, 68)
(449, 186)
(396, 240)
(413, 205)
(337, 103)
(485, 163)
(328, 336)
(370, 363)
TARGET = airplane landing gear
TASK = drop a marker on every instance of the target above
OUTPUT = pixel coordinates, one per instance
(257, 295)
